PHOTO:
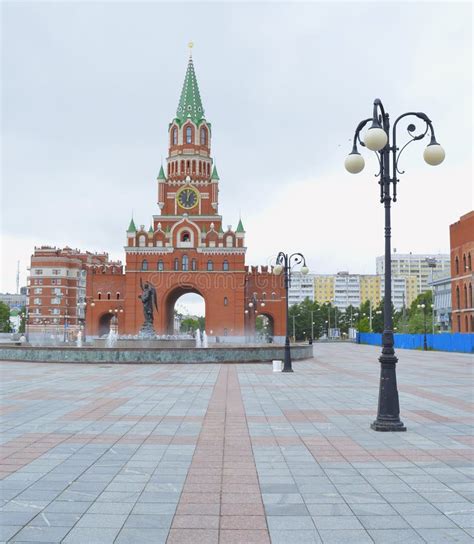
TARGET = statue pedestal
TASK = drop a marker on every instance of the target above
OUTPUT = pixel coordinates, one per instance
(147, 331)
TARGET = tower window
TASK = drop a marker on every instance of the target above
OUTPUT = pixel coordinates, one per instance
(189, 135)
(141, 243)
(210, 266)
(160, 266)
(226, 301)
(108, 296)
(185, 263)
(117, 296)
(203, 136)
(228, 241)
(175, 136)
(176, 264)
(193, 264)
(99, 295)
(225, 265)
(144, 264)
(185, 237)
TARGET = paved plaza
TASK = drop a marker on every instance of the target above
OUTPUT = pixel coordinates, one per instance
(228, 454)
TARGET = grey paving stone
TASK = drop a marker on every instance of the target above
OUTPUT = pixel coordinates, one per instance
(345, 536)
(383, 522)
(329, 510)
(336, 522)
(7, 531)
(286, 510)
(445, 536)
(71, 507)
(89, 535)
(282, 498)
(286, 523)
(429, 521)
(41, 534)
(149, 521)
(299, 536)
(395, 536)
(105, 521)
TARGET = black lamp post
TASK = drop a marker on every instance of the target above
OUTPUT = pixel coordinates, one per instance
(425, 343)
(377, 139)
(284, 263)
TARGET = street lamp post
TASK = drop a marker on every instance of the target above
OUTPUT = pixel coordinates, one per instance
(425, 343)
(284, 263)
(377, 139)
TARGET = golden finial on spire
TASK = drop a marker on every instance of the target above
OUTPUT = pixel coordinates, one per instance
(191, 45)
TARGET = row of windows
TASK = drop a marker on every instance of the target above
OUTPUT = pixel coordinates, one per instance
(189, 167)
(108, 296)
(467, 297)
(189, 135)
(185, 265)
(467, 263)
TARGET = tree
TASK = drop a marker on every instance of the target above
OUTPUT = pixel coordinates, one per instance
(192, 323)
(22, 320)
(5, 325)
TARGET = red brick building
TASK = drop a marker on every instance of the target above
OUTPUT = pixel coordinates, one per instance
(186, 249)
(58, 286)
(462, 276)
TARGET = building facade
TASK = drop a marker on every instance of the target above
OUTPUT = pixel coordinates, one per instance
(13, 300)
(58, 284)
(301, 288)
(442, 308)
(420, 266)
(324, 288)
(461, 235)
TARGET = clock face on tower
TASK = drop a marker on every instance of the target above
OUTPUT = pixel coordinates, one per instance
(187, 197)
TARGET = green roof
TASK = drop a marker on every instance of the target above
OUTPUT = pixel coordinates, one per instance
(132, 227)
(161, 175)
(190, 105)
(240, 227)
(220, 229)
(150, 230)
(214, 174)
(203, 229)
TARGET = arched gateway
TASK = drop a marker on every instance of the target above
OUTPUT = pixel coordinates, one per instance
(186, 248)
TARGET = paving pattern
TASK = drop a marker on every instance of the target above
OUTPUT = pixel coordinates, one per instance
(237, 454)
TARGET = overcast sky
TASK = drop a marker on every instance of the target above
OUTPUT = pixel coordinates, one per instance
(88, 90)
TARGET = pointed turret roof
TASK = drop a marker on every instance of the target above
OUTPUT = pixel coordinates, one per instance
(161, 175)
(132, 227)
(190, 105)
(150, 230)
(240, 227)
(214, 174)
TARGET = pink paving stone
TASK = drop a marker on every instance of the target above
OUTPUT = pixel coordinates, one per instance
(195, 522)
(243, 522)
(244, 537)
(193, 536)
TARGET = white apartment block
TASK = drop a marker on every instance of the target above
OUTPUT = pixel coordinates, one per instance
(346, 290)
(400, 291)
(420, 265)
(302, 287)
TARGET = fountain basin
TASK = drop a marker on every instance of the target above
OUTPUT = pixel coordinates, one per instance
(145, 343)
(221, 353)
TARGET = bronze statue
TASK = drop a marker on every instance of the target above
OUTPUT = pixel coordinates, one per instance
(148, 298)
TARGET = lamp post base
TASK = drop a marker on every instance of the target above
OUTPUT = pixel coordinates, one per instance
(287, 367)
(391, 426)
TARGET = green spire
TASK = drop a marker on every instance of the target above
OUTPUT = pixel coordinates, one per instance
(132, 227)
(203, 229)
(240, 227)
(214, 174)
(190, 105)
(161, 175)
(150, 230)
(220, 229)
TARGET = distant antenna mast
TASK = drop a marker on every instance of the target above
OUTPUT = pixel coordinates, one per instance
(17, 277)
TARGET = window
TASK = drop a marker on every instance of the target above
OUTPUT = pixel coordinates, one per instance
(108, 296)
(56, 291)
(56, 272)
(458, 298)
(185, 237)
(228, 241)
(37, 301)
(226, 301)
(470, 295)
(210, 266)
(203, 136)
(464, 262)
(56, 300)
(38, 291)
(185, 263)
(144, 264)
(117, 296)
(465, 296)
(38, 282)
(175, 136)
(160, 266)
(457, 265)
(189, 135)
(193, 264)
(141, 240)
(469, 263)
(225, 265)
(38, 271)
(55, 311)
(176, 264)
(99, 295)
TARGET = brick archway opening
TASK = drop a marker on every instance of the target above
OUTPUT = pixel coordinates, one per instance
(170, 304)
(265, 325)
(104, 324)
